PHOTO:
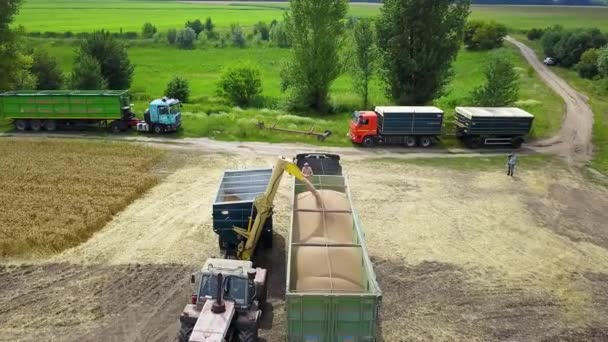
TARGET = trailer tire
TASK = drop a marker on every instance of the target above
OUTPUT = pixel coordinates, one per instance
(410, 141)
(114, 128)
(248, 334)
(184, 332)
(426, 141)
(50, 125)
(36, 125)
(20, 125)
(158, 129)
(368, 142)
(475, 143)
(516, 142)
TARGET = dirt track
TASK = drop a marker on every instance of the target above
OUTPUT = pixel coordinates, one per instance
(456, 261)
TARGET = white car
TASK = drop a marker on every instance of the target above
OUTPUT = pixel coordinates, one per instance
(549, 61)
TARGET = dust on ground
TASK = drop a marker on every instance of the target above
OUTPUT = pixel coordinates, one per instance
(459, 255)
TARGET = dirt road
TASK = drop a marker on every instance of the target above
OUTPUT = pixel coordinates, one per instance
(573, 142)
(459, 256)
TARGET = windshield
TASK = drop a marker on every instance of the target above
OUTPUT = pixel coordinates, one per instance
(356, 117)
(174, 109)
(235, 288)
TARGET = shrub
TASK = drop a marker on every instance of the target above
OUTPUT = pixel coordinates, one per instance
(535, 34)
(482, 35)
(185, 38)
(279, 36)
(68, 34)
(209, 25)
(47, 71)
(587, 67)
(602, 62)
(240, 85)
(502, 84)
(171, 36)
(86, 74)
(129, 35)
(112, 58)
(148, 31)
(263, 30)
(178, 88)
(237, 36)
(569, 45)
(196, 25)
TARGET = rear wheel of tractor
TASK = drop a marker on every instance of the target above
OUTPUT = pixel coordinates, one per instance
(184, 332)
(158, 129)
(410, 141)
(20, 125)
(50, 125)
(368, 142)
(426, 141)
(36, 125)
(248, 334)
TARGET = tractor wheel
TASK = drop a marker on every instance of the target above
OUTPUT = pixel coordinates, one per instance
(248, 334)
(158, 129)
(426, 141)
(50, 125)
(368, 142)
(410, 141)
(35, 125)
(20, 125)
(184, 332)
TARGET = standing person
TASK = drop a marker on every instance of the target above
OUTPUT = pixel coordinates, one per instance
(511, 161)
(307, 170)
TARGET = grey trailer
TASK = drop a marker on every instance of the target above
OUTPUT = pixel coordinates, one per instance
(478, 126)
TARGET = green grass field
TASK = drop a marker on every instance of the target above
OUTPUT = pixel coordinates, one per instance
(130, 15)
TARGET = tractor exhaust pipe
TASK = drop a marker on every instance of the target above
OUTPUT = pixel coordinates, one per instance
(219, 306)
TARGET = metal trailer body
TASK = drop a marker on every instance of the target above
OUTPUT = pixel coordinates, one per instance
(321, 163)
(331, 313)
(477, 126)
(234, 206)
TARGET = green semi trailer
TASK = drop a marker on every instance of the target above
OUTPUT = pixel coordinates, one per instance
(56, 109)
(332, 293)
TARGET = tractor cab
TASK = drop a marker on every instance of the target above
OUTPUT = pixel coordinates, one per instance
(163, 115)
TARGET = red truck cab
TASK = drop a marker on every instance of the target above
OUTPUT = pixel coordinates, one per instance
(363, 124)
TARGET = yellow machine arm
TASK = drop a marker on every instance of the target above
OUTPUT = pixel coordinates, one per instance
(263, 205)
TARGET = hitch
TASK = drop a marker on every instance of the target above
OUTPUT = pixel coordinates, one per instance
(311, 132)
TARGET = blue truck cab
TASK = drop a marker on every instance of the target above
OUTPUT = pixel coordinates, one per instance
(164, 115)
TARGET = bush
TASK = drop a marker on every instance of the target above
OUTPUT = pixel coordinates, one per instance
(86, 74)
(237, 36)
(535, 34)
(148, 31)
(185, 38)
(240, 85)
(68, 34)
(178, 88)
(567, 46)
(263, 30)
(196, 25)
(602, 62)
(209, 25)
(482, 35)
(587, 67)
(279, 36)
(171, 36)
(47, 71)
(502, 84)
(128, 35)
(112, 58)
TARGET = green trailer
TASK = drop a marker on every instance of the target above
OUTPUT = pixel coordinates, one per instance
(53, 109)
(332, 294)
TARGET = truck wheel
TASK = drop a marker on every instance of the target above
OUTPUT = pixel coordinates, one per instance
(410, 141)
(516, 142)
(248, 334)
(475, 143)
(158, 129)
(368, 142)
(20, 125)
(426, 141)
(184, 332)
(50, 125)
(35, 125)
(114, 128)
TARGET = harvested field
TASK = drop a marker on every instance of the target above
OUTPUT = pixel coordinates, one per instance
(463, 254)
(55, 194)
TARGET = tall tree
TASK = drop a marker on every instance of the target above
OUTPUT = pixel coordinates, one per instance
(86, 74)
(418, 41)
(47, 71)
(315, 31)
(501, 87)
(112, 57)
(15, 63)
(364, 58)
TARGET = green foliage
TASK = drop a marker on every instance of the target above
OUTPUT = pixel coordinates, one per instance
(47, 71)
(602, 62)
(535, 34)
(14, 62)
(112, 57)
(197, 26)
(263, 30)
(185, 38)
(279, 36)
(178, 88)
(418, 41)
(569, 45)
(237, 37)
(209, 26)
(172, 36)
(484, 35)
(315, 31)
(148, 31)
(364, 58)
(501, 87)
(86, 74)
(240, 85)
(587, 67)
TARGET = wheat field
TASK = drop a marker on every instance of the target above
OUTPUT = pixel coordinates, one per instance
(56, 194)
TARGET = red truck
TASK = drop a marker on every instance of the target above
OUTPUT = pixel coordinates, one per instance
(409, 126)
